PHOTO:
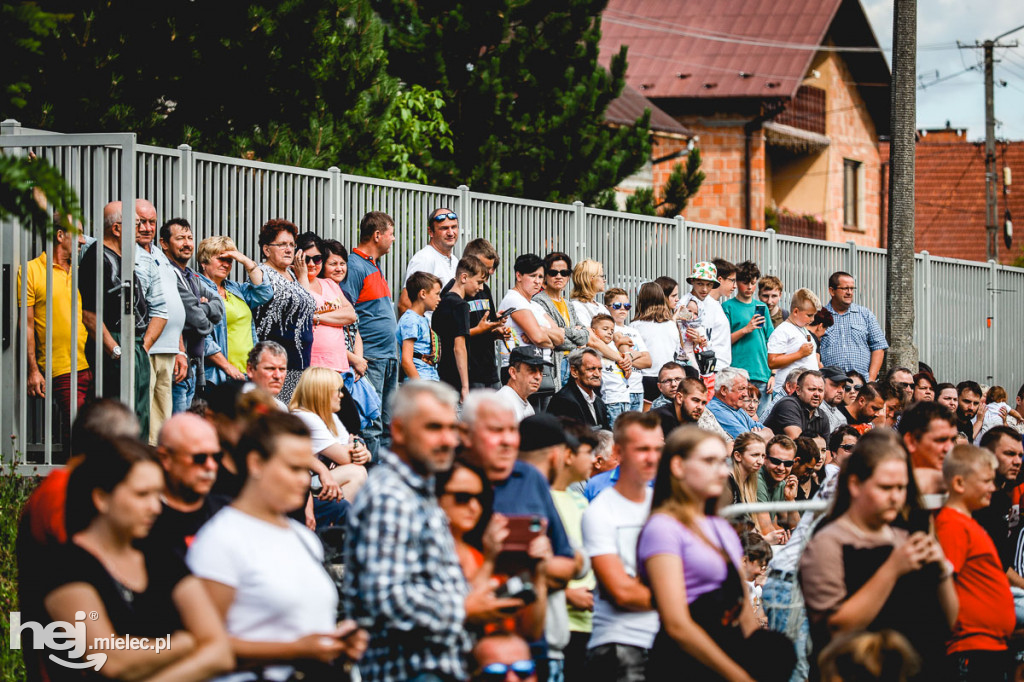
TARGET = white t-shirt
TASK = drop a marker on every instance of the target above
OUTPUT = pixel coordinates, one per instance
(167, 342)
(523, 408)
(514, 299)
(585, 311)
(282, 592)
(611, 525)
(614, 388)
(322, 436)
(636, 379)
(721, 337)
(662, 339)
(429, 259)
(787, 338)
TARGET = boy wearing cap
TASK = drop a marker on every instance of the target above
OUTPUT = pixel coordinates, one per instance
(525, 372)
(702, 281)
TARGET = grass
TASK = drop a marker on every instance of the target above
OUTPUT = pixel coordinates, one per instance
(14, 490)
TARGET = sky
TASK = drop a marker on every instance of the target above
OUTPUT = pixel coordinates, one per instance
(961, 99)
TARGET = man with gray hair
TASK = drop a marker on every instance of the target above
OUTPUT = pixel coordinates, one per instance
(403, 581)
(267, 367)
(580, 398)
(727, 405)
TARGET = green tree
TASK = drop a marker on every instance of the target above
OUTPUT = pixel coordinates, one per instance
(681, 186)
(28, 186)
(524, 93)
(24, 27)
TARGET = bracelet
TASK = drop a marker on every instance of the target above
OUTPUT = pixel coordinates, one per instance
(316, 319)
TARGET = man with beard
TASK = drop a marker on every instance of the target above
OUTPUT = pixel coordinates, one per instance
(835, 396)
(968, 401)
(798, 413)
(189, 452)
(686, 407)
(402, 577)
(865, 407)
(1002, 517)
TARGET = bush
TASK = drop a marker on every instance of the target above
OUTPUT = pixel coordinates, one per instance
(14, 490)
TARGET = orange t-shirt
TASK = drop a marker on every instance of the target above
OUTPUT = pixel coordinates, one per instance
(986, 619)
(44, 510)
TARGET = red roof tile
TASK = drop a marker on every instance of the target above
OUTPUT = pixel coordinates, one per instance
(630, 105)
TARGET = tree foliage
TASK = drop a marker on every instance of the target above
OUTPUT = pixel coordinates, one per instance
(524, 93)
(681, 186)
(28, 185)
(24, 27)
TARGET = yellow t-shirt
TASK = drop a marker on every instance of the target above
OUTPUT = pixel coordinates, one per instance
(562, 306)
(36, 297)
(239, 319)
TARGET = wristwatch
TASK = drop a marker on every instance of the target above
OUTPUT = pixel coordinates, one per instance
(116, 352)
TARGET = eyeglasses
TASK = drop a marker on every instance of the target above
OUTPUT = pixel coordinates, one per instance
(846, 289)
(848, 447)
(621, 306)
(669, 381)
(600, 276)
(462, 498)
(314, 260)
(201, 458)
(780, 462)
(497, 671)
(441, 217)
(559, 273)
(284, 245)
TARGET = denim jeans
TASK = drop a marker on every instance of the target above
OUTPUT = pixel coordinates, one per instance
(383, 375)
(762, 389)
(636, 402)
(614, 410)
(182, 392)
(785, 618)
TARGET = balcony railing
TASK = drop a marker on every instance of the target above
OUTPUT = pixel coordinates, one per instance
(805, 111)
(801, 226)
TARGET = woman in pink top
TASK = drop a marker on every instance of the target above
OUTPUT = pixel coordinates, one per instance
(333, 311)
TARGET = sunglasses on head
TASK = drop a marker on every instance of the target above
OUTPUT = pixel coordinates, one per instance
(315, 260)
(559, 273)
(201, 458)
(780, 462)
(463, 498)
(441, 217)
(621, 306)
(497, 671)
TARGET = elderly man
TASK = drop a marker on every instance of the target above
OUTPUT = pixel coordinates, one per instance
(403, 580)
(190, 454)
(437, 257)
(855, 341)
(929, 433)
(834, 398)
(727, 405)
(267, 367)
(108, 330)
(797, 413)
(525, 372)
(580, 398)
(365, 284)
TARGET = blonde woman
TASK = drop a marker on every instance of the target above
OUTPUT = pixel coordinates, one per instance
(748, 455)
(316, 401)
(227, 348)
(588, 280)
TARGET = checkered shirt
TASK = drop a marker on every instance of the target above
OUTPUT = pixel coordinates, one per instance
(849, 342)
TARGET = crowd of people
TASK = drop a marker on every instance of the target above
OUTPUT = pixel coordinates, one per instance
(318, 484)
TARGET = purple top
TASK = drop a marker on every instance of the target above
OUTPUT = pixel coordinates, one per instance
(703, 568)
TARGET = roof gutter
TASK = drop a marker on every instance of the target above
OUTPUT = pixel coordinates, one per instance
(749, 128)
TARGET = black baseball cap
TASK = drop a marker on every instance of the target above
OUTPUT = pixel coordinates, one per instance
(835, 375)
(531, 355)
(540, 431)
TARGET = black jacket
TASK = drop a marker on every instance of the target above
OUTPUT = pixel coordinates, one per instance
(569, 402)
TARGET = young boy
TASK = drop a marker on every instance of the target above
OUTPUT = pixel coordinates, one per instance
(451, 323)
(769, 291)
(751, 328)
(617, 302)
(756, 555)
(702, 281)
(571, 504)
(790, 346)
(986, 618)
(420, 349)
(614, 383)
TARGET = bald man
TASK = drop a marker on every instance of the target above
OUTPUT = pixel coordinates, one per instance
(503, 657)
(189, 451)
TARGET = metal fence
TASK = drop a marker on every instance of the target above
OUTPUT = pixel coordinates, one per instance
(966, 310)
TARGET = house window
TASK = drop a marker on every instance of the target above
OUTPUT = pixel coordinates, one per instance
(851, 193)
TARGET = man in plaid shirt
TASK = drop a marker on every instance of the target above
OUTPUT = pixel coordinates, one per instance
(855, 341)
(403, 582)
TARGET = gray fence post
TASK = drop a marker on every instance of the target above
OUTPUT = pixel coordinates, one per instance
(924, 309)
(993, 327)
(10, 127)
(682, 247)
(465, 212)
(771, 267)
(187, 178)
(334, 203)
(578, 238)
(852, 260)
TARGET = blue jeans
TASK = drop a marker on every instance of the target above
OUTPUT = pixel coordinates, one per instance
(182, 392)
(383, 375)
(762, 388)
(788, 619)
(614, 410)
(636, 402)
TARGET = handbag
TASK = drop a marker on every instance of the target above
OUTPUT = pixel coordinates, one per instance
(548, 383)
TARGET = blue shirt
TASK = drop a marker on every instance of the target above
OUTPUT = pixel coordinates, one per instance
(366, 287)
(526, 491)
(417, 327)
(733, 421)
(849, 342)
(604, 480)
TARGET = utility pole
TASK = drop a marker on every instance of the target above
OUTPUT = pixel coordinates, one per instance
(991, 203)
(899, 307)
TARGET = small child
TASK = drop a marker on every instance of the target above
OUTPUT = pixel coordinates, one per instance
(790, 346)
(614, 382)
(996, 409)
(617, 302)
(756, 555)
(421, 349)
(769, 291)
(986, 619)
(450, 322)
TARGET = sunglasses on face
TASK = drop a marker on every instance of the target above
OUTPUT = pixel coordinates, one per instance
(463, 498)
(780, 462)
(853, 388)
(441, 217)
(497, 671)
(903, 385)
(314, 260)
(559, 273)
(201, 458)
(848, 447)
(621, 306)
